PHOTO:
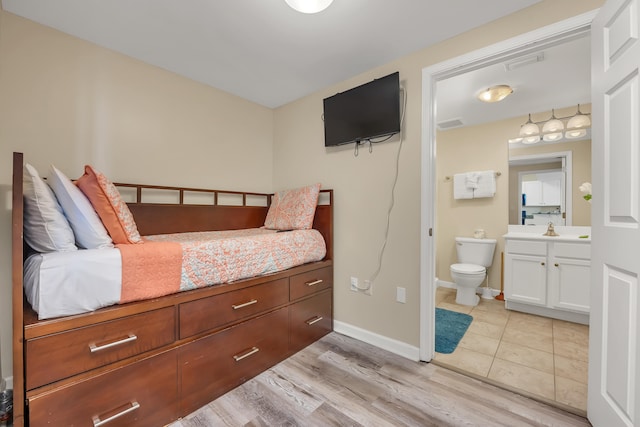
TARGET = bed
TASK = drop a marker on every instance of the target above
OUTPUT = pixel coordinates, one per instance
(120, 357)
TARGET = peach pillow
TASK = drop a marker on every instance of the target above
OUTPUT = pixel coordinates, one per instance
(112, 210)
(293, 209)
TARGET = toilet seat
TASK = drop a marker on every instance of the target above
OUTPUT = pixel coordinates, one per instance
(467, 268)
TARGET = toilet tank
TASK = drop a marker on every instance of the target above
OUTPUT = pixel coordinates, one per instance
(475, 251)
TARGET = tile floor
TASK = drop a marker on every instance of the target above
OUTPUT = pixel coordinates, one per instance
(541, 357)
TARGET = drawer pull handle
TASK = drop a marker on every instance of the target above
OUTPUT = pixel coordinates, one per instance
(251, 352)
(316, 320)
(97, 422)
(556, 264)
(542, 263)
(315, 282)
(94, 348)
(237, 306)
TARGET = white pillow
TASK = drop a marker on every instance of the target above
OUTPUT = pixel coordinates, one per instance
(45, 227)
(89, 230)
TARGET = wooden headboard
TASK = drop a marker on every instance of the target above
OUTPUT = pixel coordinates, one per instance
(151, 218)
(179, 216)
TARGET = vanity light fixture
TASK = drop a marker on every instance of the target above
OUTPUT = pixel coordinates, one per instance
(553, 129)
(530, 132)
(576, 126)
(495, 93)
(309, 6)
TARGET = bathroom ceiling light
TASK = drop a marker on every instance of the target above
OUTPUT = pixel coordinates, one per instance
(495, 93)
(309, 6)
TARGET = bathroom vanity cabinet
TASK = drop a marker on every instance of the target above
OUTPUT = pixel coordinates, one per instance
(548, 276)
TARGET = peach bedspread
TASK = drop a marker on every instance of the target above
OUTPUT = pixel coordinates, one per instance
(170, 263)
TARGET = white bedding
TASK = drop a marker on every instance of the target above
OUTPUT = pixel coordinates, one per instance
(65, 283)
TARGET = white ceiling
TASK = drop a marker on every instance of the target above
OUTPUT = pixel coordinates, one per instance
(262, 50)
(561, 79)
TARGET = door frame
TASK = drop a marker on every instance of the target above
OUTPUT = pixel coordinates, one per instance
(499, 52)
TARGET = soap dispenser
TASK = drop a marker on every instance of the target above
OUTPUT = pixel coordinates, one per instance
(551, 231)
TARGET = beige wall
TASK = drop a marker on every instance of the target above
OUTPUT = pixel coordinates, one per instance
(68, 102)
(363, 185)
(472, 148)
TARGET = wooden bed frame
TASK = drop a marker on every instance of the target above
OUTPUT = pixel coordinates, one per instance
(151, 362)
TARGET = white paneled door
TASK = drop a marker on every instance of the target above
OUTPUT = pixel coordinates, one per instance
(614, 353)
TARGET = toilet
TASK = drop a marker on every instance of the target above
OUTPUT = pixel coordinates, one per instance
(474, 256)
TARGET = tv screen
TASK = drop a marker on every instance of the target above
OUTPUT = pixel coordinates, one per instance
(365, 112)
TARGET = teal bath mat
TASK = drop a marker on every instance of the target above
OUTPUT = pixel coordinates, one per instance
(450, 328)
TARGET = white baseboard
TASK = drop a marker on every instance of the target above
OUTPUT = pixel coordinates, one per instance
(445, 284)
(451, 285)
(398, 347)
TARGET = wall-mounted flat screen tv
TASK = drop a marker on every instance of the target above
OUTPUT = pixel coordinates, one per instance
(363, 113)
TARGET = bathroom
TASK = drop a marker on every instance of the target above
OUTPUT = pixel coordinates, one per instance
(538, 366)
(485, 147)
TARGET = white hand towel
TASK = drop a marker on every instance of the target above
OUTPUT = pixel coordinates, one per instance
(471, 179)
(460, 189)
(486, 185)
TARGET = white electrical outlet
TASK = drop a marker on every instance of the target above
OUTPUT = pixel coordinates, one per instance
(368, 287)
(354, 284)
(401, 294)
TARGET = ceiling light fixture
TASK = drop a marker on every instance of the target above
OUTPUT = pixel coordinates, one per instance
(309, 6)
(495, 93)
(553, 129)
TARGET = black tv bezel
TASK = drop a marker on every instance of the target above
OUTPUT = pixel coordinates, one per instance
(367, 138)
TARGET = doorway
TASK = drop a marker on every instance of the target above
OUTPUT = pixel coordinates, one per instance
(530, 42)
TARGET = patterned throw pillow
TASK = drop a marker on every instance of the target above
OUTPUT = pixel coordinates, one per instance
(293, 209)
(113, 211)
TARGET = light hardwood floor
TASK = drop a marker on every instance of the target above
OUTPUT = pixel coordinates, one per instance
(541, 357)
(340, 381)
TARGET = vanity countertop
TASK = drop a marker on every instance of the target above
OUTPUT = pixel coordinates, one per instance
(536, 232)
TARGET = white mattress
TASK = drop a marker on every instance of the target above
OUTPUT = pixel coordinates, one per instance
(64, 283)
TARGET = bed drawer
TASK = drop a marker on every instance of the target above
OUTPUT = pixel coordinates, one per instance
(310, 320)
(142, 394)
(211, 366)
(310, 282)
(62, 355)
(220, 310)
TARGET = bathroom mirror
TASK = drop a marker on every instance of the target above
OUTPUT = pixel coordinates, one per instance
(550, 176)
